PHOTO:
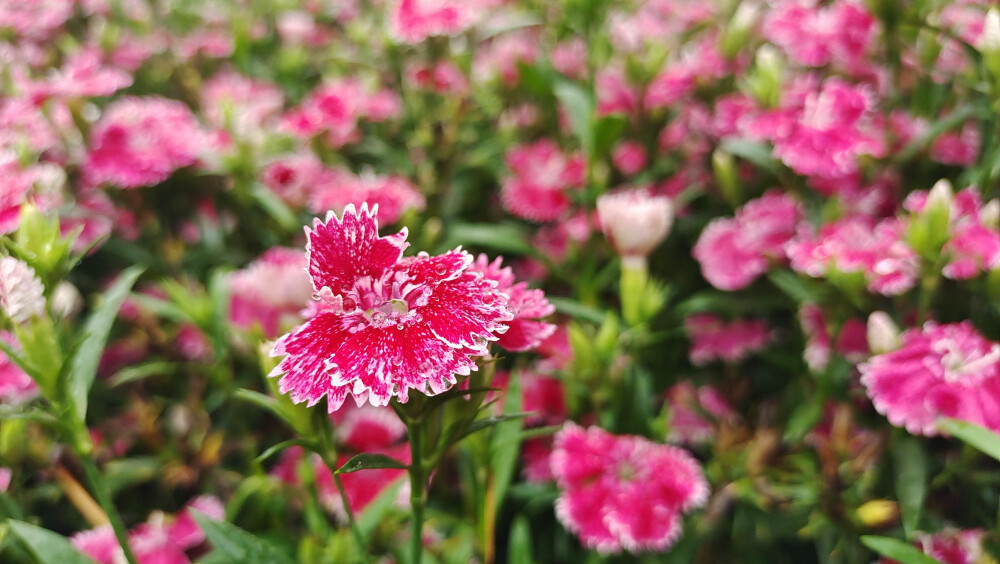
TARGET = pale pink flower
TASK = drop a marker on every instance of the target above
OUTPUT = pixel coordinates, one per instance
(840, 33)
(298, 27)
(393, 194)
(570, 58)
(950, 546)
(635, 221)
(445, 78)
(210, 43)
(270, 291)
(857, 245)
(541, 174)
(973, 248)
(695, 413)
(714, 339)
(945, 370)
(527, 305)
(5, 477)
(733, 252)
(85, 75)
(20, 290)
(385, 324)
(334, 108)
(367, 428)
(35, 19)
(957, 147)
(623, 492)
(699, 62)
(615, 95)
(240, 104)
(16, 387)
(502, 56)
(17, 182)
(629, 157)
(294, 177)
(141, 141)
(192, 343)
(412, 21)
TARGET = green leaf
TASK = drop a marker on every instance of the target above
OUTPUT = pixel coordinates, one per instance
(794, 286)
(506, 444)
(238, 545)
(897, 550)
(374, 513)
(45, 546)
(370, 461)
(274, 207)
(143, 371)
(83, 367)
(275, 449)
(126, 472)
(480, 424)
(501, 237)
(576, 309)
(519, 550)
(607, 132)
(754, 152)
(910, 464)
(981, 438)
(579, 107)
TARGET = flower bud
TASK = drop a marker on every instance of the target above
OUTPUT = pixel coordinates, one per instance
(21, 292)
(989, 214)
(635, 221)
(66, 300)
(989, 41)
(878, 512)
(883, 334)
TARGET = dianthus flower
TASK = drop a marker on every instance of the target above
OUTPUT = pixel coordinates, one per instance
(695, 412)
(16, 387)
(393, 194)
(335, 107)
(852, 340)
(635, 222)
(950, 546)
(272, 288)
(385, 324)
(714, 339)
(240, 104)
(527, 305)
(20, 290)
(541, 176)
(733, 252)
(812, 35)
(623, 492)
(945, 370)
(141, 141)
(855, 245)
(413, 21)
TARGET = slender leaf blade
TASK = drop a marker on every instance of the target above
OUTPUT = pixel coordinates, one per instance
(897, 550)
(46, 546)
(238, 545)
(370, 461)
(981, 438)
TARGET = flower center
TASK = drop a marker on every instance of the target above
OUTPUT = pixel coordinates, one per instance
(963, 363)
(391, 300)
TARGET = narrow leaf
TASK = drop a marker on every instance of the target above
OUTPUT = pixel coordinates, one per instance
(520, 542)
(370, 461)
(275, 449)
(83, 369)
(238, 545)
(45, 546)
(981, 438)
(578, 310)
(910, 464)
(580, 109)
(897, 550)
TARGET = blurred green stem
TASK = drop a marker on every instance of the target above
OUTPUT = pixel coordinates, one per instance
(103, 497)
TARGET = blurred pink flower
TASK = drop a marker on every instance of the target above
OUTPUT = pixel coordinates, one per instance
(528, 305)
(615, 95)
(141, 141)
(695, 413)
(334, 109)
(16, 387)
(502, 55)
(635, 222)
(733, 252)
(35, 19)
(629, 157)
(294, 177)
(957, 147)
(950, 546)
(840, 32)
(385, 324)
(412, 21)
(393, 194)
(623, 492)
(366, 428)
(852, 341)
(945, 370)
(271, 290)
(240, 104)
(541, 174)
(714, 339)
(445, 78)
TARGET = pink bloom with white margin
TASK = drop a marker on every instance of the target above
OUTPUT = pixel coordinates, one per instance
(271, 290)
(16, 387)
(385, 324)
(334, 108)
(623, 492)
(972, 248)
(714, 339)
(695, 413)
(635, 221)
(541, 176)
(733, 252)
(855, 245)
(141, 141)
(21, 292)
(950, 546)
(393, 194)
(945, 370)
(527, 305)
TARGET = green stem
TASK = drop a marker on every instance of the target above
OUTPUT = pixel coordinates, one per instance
(103, 497)
(417, 485)
(330, 459)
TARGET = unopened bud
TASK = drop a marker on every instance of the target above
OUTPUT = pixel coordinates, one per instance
(989, 40)
(66, 300)
(989, 215)
(635, 221)
(878, 512)
(883, 334)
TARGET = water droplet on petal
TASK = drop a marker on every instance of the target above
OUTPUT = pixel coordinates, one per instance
(489, 298)
(440, 269)
(399, 326)
(397, 360)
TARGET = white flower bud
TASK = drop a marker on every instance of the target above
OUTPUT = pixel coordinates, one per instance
(989, 40)
(21, 292)
(66, 300)
(883, 334)
(635, 221)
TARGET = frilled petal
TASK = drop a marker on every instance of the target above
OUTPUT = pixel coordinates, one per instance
(308, 367)
(534, 202)
(342, 250)
(467, 311)
(525, 334)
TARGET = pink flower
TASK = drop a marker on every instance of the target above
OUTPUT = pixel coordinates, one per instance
(21, 291)
(294, 177)
(695, 412)
(85, 75)
(629, 157)
(445, 78)
(810, 35)
(393, 194)
(544, 397)
(972, 248)
(141, 141)
(615, 95)
(334, 108)
(945, 370)
(239, 104)
(367, 428)
(852, 339)
(570, 58)
(35, 19)
(5, 477)
(527, 305)
(413, 21)
(855, 245)
(16, 387)
(503, 55)
(272, 289)
(623, 492)
(957, 147)
(541, 176)
(950, 546)
(385, 324)
(714, 339)
(635, 221)
(734, 252)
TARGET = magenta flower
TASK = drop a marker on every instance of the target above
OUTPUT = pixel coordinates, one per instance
(385, 324)
(945, 370)
(413, 21)
(141, 141)
(16, 387)
(623, 492)
(811, 35)
(271, 289)
(951, 546)
(695, 412)
(541, 176)
(527, 305)
(393, 194)
(714, 339)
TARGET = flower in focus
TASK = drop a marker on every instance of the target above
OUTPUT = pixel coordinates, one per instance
(527, 305)
(635, 221)
(21, 292)
(714, 339)
(623, 492)
(733, 252)
(945, 370)
(141, 141)
(385, 324)
(273, 288)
